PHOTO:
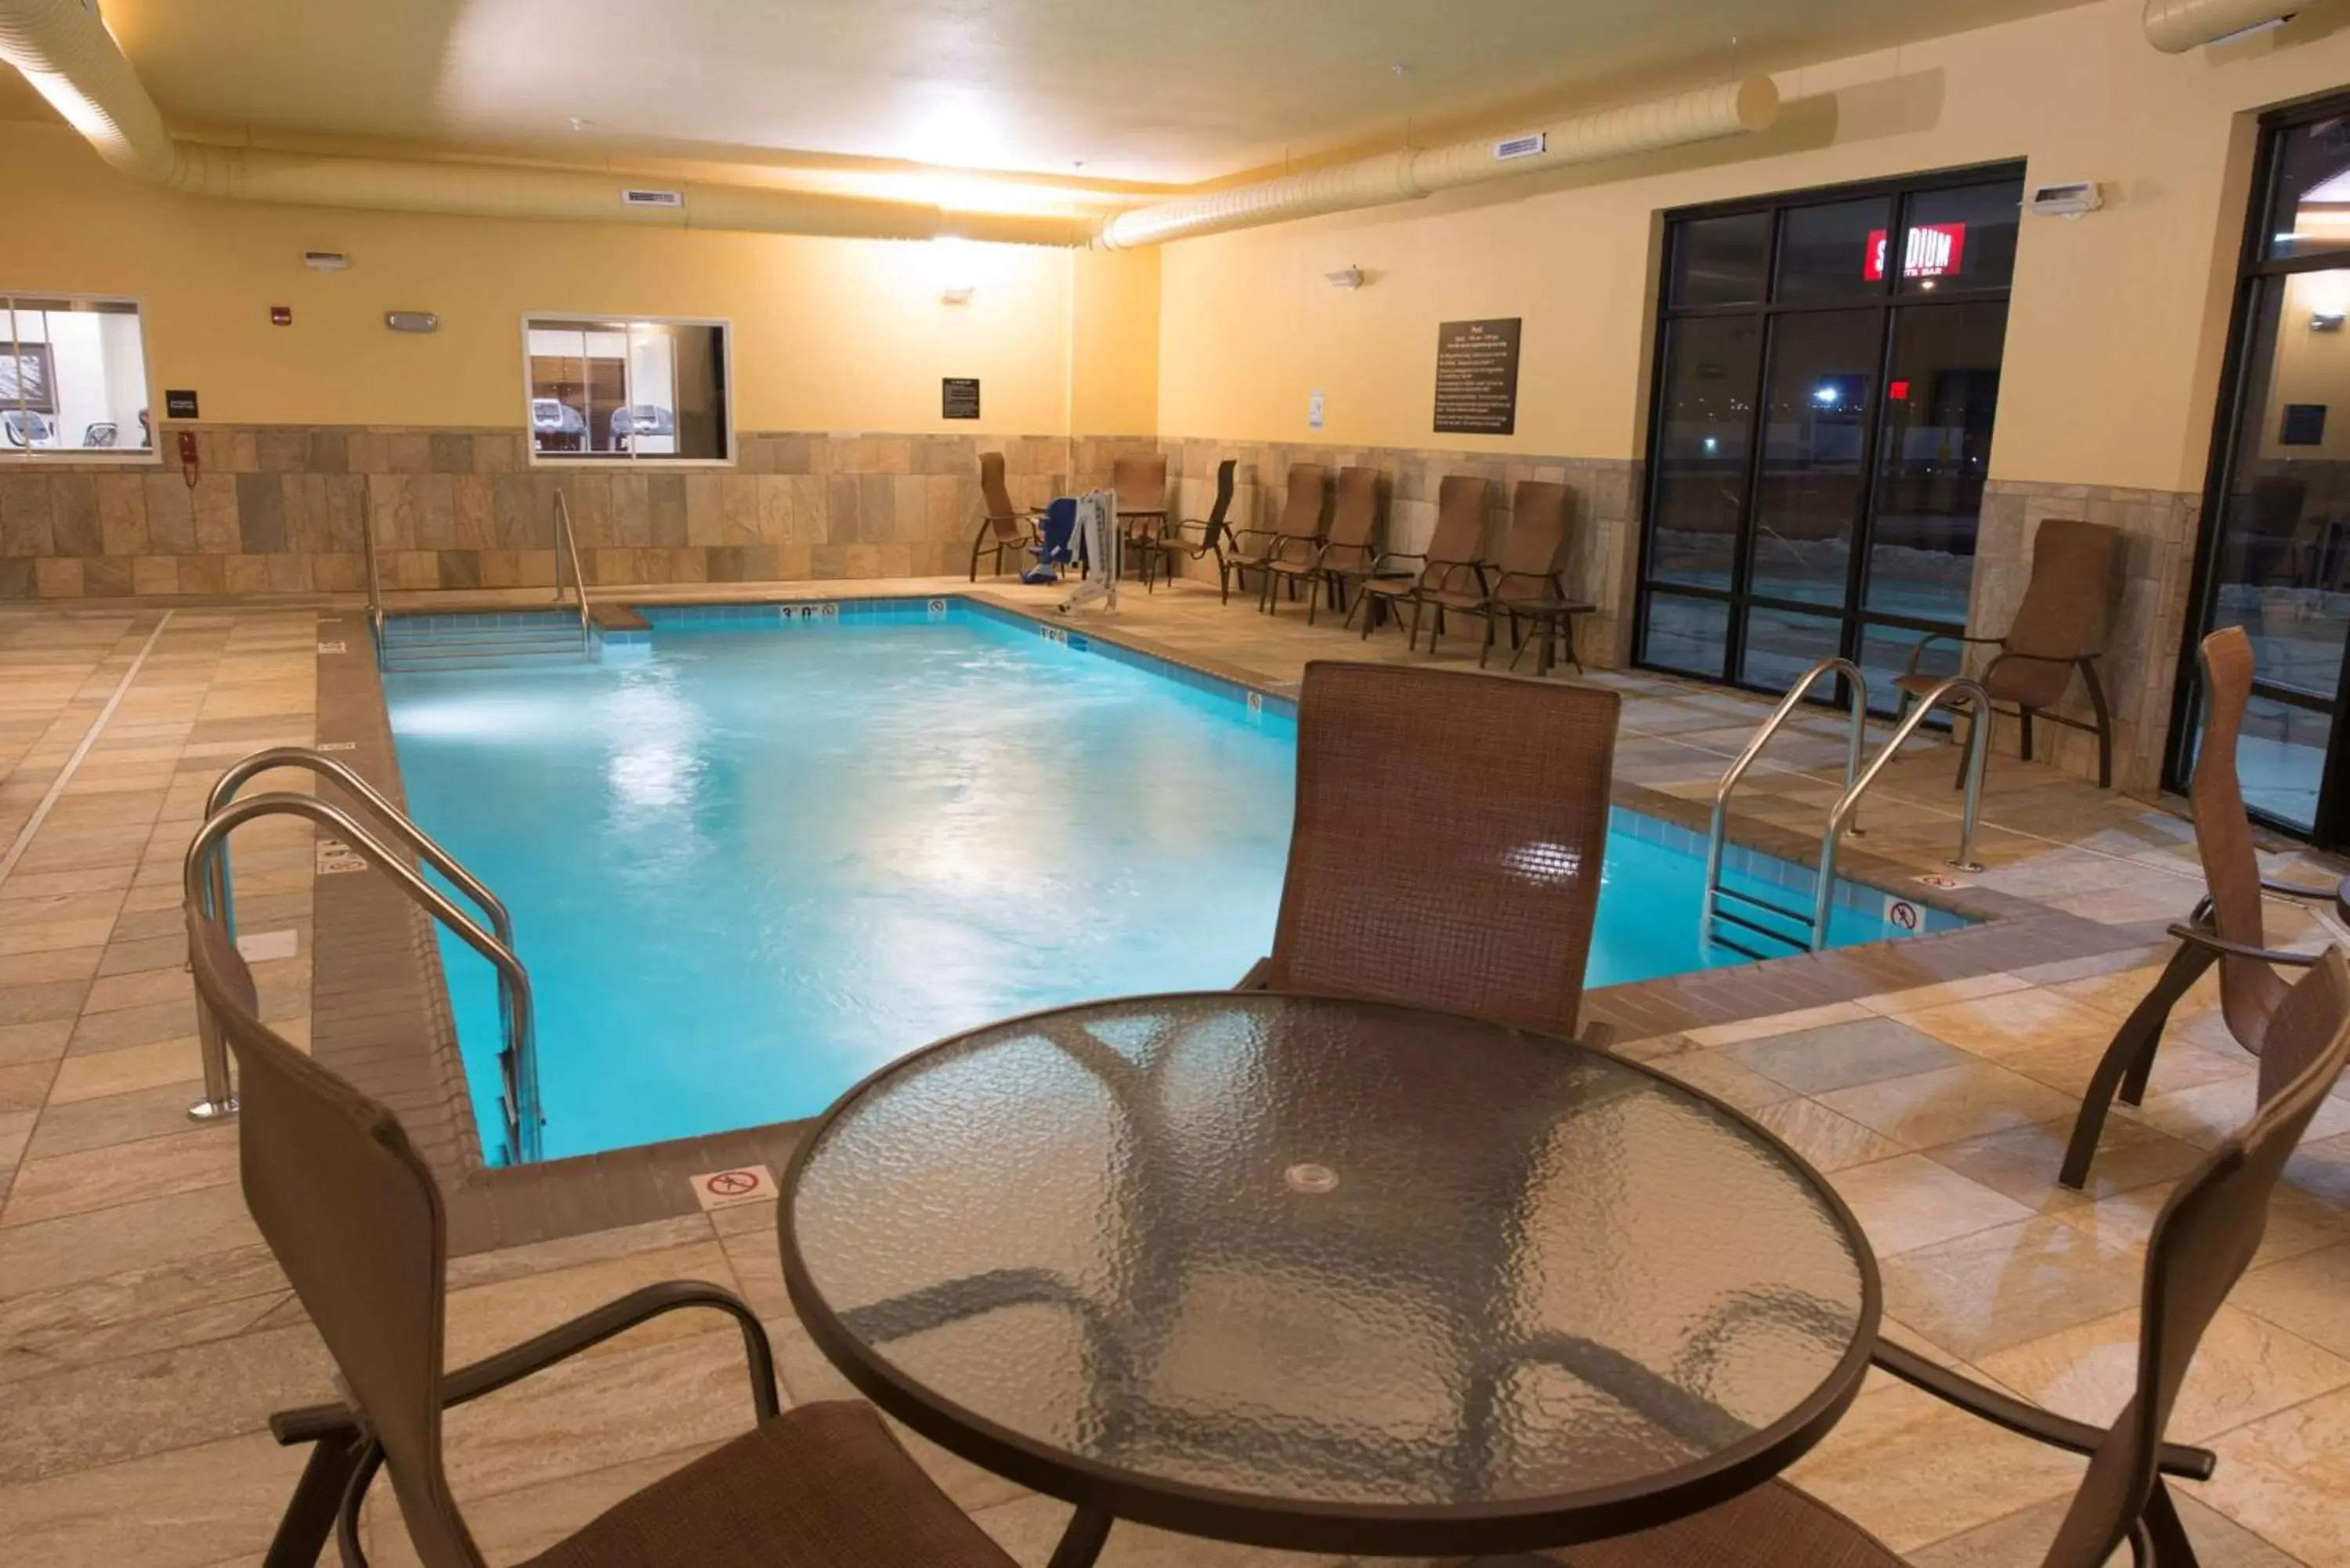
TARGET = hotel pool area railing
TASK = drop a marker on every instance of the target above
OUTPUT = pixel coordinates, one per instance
(567, 549)
(205, 876)
(1718, 829)
(374, 577)
(1856, 782)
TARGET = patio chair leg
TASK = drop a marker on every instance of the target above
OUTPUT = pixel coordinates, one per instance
(2104, 724)
(1488, 646)
(2024, 716)
(2172, 1549)
(1412, 643)
(1081, 1542)
(309, 1515)
(2131, 1054)
(1975, 715)
(1313, 601)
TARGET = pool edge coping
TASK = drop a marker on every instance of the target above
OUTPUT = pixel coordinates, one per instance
(369, 1024)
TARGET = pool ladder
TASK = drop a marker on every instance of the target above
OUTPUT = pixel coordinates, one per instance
(205, 875)
(1856, 782)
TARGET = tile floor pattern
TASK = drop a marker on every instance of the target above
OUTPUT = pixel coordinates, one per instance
(145, 1333)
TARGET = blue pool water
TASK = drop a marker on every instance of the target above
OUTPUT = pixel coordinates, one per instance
(752, 862)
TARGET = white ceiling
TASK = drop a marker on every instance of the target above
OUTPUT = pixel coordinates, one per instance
(1173, 90)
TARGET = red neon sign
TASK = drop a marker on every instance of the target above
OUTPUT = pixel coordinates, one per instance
(1897, 390)
(1931, 250)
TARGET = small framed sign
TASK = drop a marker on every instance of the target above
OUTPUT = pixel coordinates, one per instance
(2304, 425)
(180, 405)
(1477, 377)
(959, 398)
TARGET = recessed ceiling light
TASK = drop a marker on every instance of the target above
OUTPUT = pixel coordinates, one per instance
(579, 122)
(1399, 69)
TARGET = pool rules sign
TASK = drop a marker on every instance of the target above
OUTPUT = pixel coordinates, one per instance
(1477, 378)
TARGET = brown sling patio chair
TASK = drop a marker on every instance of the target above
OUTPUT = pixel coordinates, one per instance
(2225, 929)
(2060, 628)
(1005, 526)
(1346, 550)
(1305, 510)
(1447, 845)
(1141, 486)
(2205, 1236)
(1159, 551)
(1525, 580)
(1453, 561)
(354, 1218)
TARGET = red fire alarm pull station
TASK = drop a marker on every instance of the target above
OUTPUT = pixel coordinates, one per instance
(189, 465)
(281, 315)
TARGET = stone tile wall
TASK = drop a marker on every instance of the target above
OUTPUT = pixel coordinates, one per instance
(282, 510)
(1604, 523)
(2155, 571)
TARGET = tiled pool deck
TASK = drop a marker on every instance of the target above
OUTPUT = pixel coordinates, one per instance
(145, 1334)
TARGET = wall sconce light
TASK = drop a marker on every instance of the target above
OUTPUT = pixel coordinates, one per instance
(952, 265)
(1346, 278)
(2326, 321)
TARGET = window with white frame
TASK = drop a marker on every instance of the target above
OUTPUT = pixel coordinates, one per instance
(73, 378)
(625, 391)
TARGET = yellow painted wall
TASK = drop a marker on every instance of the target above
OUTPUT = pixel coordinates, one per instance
(829, 334)
(1114, 316)
(2117, 321)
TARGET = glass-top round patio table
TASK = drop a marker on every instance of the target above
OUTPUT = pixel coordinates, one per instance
(1325, 1274)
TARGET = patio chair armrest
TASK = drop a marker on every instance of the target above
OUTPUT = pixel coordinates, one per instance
(2296, 890)
(2204, 938)
(1259, 977)
(2024, 1419)
(1917, 648)
(537, 1353)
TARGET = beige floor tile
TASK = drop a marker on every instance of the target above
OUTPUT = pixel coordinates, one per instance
(489, 1318)
(1718, 1073)
(1839, 1056)
(2296, 1222)
(2010, 1284)
(2210, 1112)
(2245, 1368)
(1949, 1106)
(2288, 1478)
(48, 965)
(131, 1068)
(2023, 1163)
(1919, 998)
(90, 1179)
(1910, 1201)
(2012, 1021)
(1781, 1023)
(1828, 1140)
(177, 1510)
(2308, 1295)
(2021, 1541)
(156, 1232)
(1914, 1471)
(25, 935)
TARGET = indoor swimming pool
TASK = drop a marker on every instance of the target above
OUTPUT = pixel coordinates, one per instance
(752, 855)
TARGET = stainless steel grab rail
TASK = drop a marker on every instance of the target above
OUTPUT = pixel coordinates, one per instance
(205, 883)
(1840, 815)
(1719, 828)
(570, 551)
(246, 768)
(374, 579)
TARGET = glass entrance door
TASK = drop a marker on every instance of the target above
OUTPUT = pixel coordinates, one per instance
(2275, 547)
(1827, 369)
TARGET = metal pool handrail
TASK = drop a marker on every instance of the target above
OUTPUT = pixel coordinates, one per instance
(1719, 829)
(374, 580)
(1840, 815)
(570, 551)
(246, 768)
(519, 1055)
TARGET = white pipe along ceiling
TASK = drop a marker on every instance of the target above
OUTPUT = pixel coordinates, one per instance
(2176, 26)
(66, 52)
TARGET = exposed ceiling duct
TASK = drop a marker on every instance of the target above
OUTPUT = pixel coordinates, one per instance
(1730, 109)
(66, 52)
(2176, 26)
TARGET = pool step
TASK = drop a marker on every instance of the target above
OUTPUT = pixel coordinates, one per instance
(480, 642)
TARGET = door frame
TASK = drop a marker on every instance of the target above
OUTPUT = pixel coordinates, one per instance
(1737, 600)
(2330, 822)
